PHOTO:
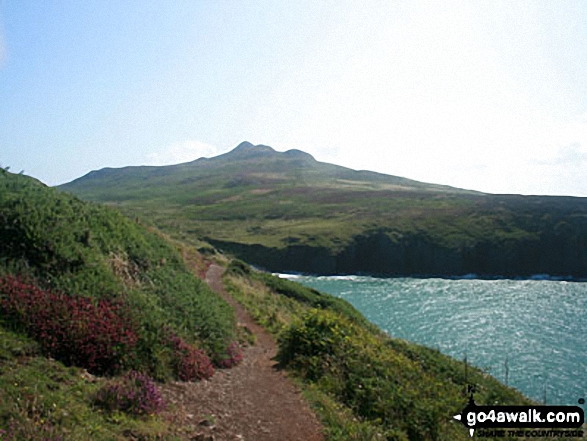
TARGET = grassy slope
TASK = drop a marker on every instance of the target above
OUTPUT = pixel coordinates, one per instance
(40, 398)
(264, 197)
(82, 249)
(363, 384)
(254, 195)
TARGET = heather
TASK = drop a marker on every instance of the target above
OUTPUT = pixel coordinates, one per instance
(95, 334)
(191, 363)
(89, 261)
(232, 356)
(134, 393)
(88, 301)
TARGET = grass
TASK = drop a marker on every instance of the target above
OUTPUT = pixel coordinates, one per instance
(363, 384)
(261, 207)
(41, 398)
(82, 286)
(270, 310)
(82, 249)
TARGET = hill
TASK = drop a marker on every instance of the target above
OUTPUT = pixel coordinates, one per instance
(288, 212)
(92, 304)
(83, 287)
(364, 384)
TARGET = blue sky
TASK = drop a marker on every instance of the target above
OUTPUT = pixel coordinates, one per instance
(485, 95)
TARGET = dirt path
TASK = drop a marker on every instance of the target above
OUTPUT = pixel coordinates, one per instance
(253, 401)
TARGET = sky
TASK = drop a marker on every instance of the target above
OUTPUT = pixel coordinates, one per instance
(483, 95)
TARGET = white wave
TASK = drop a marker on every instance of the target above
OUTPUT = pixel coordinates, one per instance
(288, 276)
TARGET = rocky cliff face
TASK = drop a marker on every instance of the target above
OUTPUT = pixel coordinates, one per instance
(555, 253)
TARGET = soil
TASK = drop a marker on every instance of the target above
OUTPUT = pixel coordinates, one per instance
(254, 401)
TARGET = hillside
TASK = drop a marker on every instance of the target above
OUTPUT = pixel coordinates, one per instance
(364, 384)
(87, 294)
(288, 212)
(76, 277)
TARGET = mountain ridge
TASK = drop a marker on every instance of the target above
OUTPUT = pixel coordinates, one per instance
(251, 154)
(285, 211)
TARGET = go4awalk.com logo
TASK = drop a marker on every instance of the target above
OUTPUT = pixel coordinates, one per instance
(522, 421)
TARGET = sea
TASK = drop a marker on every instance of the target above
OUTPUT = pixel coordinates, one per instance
(530, 333)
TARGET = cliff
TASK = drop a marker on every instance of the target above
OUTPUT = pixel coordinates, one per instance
(285, 211)
(379, 255)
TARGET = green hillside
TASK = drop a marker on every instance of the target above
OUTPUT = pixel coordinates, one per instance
(289, 212)
(93, 304)
(364, 385)
(90, 289)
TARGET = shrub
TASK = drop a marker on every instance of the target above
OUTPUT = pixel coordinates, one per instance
(239, 268)
(357, 368)
(312, 297)
(76, 330)
(314, 343)
(192, 364)
(232, 357)
(134, 393)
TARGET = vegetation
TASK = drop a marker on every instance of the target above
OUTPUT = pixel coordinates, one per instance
(85, 291)
(191, 363)
(286, 211)
(76, 250)
(86, 286)
(286, 290)
(363, 384)
(134, 393)
(42, 399)
(72, 329)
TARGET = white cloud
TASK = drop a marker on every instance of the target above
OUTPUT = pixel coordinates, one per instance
(437, 94)
(550, 160)
(574, 133)
(184, 151)
(570, 155)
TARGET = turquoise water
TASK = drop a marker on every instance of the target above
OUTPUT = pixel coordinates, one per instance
(537, 326)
